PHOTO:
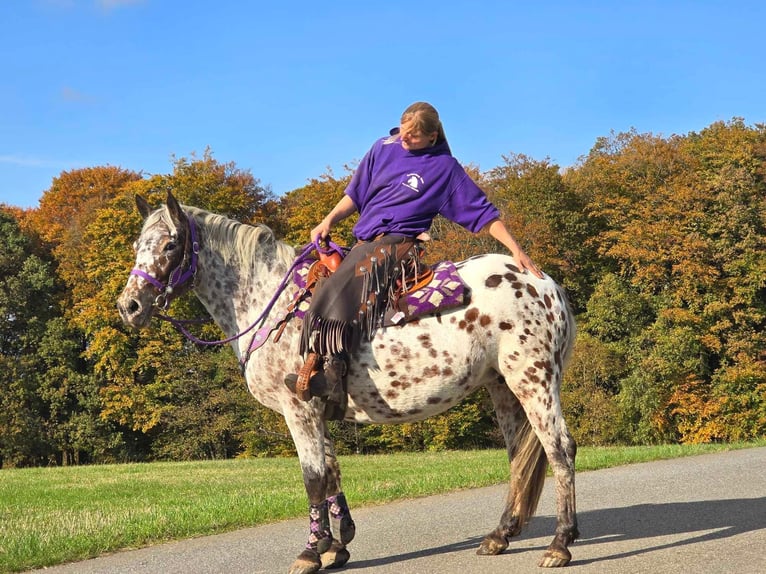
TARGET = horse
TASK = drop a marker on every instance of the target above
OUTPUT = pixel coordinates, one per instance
(513, 337)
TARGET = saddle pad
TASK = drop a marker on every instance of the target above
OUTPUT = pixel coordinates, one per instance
(445, 291)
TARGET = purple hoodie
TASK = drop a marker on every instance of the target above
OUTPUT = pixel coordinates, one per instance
(400, 191)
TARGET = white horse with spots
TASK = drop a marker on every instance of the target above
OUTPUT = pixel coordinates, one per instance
(513, 338)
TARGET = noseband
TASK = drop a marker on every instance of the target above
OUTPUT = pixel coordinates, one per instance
(180, 275)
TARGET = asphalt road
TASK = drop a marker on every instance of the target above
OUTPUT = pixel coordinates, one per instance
(704, 514)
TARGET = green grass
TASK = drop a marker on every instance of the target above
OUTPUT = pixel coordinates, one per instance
(54, 515)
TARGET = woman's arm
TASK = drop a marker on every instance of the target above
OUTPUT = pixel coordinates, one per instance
(498, 230)
(341, 211)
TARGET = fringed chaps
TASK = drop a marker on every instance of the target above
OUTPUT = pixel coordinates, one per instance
(351, 303)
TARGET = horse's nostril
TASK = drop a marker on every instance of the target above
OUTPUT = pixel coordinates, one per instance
(133, 307)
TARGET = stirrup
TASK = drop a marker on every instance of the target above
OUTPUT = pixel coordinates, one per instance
(308, 370)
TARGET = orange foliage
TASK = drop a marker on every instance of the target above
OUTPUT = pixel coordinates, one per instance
(698, 415)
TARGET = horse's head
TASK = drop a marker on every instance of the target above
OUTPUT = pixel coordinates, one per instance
(166, 260)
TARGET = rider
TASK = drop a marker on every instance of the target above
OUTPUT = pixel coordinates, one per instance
(402, 183)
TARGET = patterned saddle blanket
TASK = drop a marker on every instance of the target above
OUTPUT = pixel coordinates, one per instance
(446, 290)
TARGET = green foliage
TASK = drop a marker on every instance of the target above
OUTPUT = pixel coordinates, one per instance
(589, 392)
(27, 302)
(682, 221)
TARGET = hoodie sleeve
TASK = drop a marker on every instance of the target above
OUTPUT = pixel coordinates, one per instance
(467, 204)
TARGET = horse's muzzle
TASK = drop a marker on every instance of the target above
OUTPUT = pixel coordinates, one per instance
(132, 311)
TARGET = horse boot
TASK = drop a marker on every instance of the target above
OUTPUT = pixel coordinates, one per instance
(336, 401)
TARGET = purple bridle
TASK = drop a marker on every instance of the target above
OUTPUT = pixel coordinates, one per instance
(179, 276)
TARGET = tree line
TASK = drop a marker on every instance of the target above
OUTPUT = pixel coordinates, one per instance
(659, 242)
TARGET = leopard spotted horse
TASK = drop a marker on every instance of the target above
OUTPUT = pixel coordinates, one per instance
(513, 337)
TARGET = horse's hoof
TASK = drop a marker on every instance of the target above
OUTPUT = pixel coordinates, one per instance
(555, 558)
(308, 562)
(491, 546)
(336, 556)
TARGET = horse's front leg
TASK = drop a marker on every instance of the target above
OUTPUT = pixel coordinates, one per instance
(307, 428)
(343, 527)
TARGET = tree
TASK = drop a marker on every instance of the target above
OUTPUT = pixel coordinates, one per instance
(681, 221)
(305, 207)
(27, 302)
(141, 386)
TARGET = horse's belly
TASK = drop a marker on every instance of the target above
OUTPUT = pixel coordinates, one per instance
(410, 377)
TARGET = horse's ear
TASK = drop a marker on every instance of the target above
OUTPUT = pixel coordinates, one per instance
(143, 206)
(174, 208)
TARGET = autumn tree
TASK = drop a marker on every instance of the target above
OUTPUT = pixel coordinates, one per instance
(154, 382)
(303, 209)
(680, 222)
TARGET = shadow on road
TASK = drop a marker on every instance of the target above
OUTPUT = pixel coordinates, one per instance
(701, 521)
(713, 520)
(437, 550)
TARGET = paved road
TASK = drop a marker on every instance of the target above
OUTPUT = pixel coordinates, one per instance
(705, 515)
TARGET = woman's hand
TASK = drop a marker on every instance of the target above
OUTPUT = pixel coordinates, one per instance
(321, 231)
(525, 263)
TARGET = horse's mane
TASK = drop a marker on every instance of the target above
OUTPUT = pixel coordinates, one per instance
(236, 240)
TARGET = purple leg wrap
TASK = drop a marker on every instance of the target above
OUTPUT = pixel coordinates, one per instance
(338, 506)
(342, 524)
(320, 537)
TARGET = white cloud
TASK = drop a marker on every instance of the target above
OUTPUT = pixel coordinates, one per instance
(114, 4)
(29, 161)
(71, 95)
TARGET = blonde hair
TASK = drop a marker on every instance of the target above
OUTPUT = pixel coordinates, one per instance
(424, 117)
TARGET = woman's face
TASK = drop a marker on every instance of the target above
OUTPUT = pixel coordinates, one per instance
(414, 139)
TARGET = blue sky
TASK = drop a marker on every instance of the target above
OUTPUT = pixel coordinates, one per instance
(287, 89)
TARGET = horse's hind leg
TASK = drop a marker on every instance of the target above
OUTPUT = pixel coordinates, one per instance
(343, 527)
(537, 387)
(528, 466)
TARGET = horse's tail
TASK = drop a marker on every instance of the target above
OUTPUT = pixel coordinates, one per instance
(571, 328)
(528, 467)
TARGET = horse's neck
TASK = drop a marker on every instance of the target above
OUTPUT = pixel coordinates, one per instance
(236, 292)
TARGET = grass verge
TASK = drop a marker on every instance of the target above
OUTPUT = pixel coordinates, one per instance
(53, 515)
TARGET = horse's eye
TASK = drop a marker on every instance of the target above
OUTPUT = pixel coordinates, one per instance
(170, 246)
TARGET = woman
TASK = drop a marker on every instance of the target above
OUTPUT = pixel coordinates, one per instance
(402, 183)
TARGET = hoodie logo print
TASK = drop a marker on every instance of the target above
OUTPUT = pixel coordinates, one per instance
(414, 182)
